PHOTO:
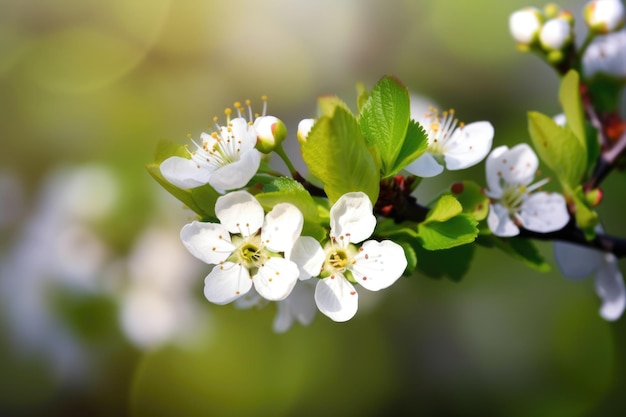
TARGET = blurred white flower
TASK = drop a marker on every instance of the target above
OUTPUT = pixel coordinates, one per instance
(577, 262)
(556, 34)
(604, 16)
(57, 249)
(606, 55)
(158, 304)
(525, 25)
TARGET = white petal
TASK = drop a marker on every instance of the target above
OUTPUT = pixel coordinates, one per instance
(227, 282)
(238, 173)
(469, 145)
(300, 305)
(575, 261)
(378, 264)
(208, 242)
(544, 212)
(610, 287)
(351, 218)
(336, 298)
(184, 173)
(517, 166)
(425, 166)
(500, 222)
(282, 227)
(276, 278)
(243, 133)
(250, 299)
(308, 254)
(240, 212)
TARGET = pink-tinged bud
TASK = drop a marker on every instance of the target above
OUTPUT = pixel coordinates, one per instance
(555, 34)
(304, 127)
(594, 197)
(271, 132)
(525, 25)
(604, 16)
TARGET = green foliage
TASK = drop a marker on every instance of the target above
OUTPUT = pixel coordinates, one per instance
(446, 226)
(586, 217)
(560, 149)
(472, 198)
(519, 248)
(336, 153)
(286, 190)
(385, 123)
(200, 199)
(327, 105)
(569, 95)
(452, 263)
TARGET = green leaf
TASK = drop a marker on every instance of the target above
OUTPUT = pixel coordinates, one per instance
(201, 199)
(444, 209)
(414, 145)
(559, 149)
(452, 263)
(519, 248)
(336, 153)
(362, 96)
(286, 190)
(459, 230)
(472, 198)
(328, 103)
(569, 96)
(384, 120)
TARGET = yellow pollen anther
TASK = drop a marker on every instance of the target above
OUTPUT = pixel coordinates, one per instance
(236, 104)
(215, 119)
(189, 135)
(248, 102)
(264, 98)
(228, 111)
(214, 135)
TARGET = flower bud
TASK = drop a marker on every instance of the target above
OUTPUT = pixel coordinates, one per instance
(525, 25)
(271, 132)
(594, 197)
(555, 34)
(304, 127)
(604, 16)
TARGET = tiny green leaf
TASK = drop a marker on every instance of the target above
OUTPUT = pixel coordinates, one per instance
(444, 209)
(384, 120)
(328, 103)
(414, 145)
(559, 149)
(569, 95)
(336, 153)
(472, 198)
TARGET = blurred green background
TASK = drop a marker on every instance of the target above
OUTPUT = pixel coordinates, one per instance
(101, 309)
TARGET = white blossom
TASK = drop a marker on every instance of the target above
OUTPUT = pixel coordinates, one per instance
(606, 55)
(525, 25)
(604, 16)
(451, 144)
(577, 262)
(510, 173)
(246, 248)
(555, 34)
(374, 265)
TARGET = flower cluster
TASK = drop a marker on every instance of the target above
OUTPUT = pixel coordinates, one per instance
(356, 220)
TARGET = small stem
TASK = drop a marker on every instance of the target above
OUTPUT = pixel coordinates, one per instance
(283, 155)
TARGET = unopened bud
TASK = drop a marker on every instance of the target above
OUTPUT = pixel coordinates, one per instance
(525, 25)
(555, 34)
(551, 10)
(304, 127)
(604, 16)
(270, 132)
(594, 197)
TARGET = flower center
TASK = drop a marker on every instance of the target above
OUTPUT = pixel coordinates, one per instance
(337, 259)
(250, 252)
(440, 126)
(513, 197)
